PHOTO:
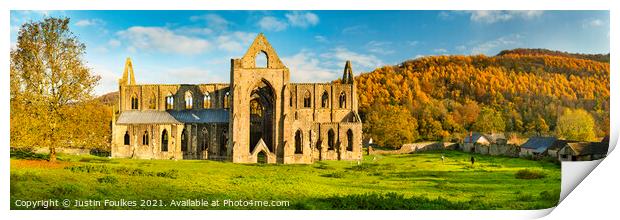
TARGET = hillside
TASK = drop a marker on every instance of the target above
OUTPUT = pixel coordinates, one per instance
(519, 91)
(526, 51)
(108, 99)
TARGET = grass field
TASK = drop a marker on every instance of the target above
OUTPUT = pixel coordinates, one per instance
(411, 181)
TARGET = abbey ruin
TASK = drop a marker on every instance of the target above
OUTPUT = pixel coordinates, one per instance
(260, 117)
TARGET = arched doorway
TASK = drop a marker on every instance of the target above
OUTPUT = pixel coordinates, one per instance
(262, 115)
(261, 157)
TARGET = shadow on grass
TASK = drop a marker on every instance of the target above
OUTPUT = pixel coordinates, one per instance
(28, 155)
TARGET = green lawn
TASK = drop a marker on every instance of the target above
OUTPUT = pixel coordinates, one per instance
(411, 181)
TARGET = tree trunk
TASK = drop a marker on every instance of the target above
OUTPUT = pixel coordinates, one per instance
(52, 154)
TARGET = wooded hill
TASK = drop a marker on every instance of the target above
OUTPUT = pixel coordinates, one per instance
(522, 91)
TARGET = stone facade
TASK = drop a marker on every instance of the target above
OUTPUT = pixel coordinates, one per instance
(259, 117)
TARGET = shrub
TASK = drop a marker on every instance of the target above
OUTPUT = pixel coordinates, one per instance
(27, 154)
(530, 174)
(107, 179)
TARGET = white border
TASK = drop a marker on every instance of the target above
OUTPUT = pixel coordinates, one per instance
(596, 196)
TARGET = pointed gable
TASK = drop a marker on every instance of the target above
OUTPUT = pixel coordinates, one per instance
(261, 45)
(347, 75)
(128, 76)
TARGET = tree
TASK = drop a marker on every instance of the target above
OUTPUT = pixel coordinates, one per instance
(489, 121)
(391, 126)
(48, 80)
(576, 125)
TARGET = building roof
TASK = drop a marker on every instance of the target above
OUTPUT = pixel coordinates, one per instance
(475, 137)
(588, 148)
(495, 137)
(173, 117)
(558, 144)
(539, 144)
(201, 116)
(146, 117)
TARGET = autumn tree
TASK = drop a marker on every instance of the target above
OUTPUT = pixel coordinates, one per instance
(49, 80)
(576, 124)
(489, 121)
(528, 88)
(391, 126)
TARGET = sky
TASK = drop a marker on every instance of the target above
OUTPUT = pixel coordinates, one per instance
(193, 47)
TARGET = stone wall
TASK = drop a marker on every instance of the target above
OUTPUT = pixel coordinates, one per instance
(509, 150)
(417, 147)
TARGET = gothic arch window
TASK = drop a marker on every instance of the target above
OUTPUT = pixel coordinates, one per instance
(298, 142)
(331, 139)
(189, 100)
(205, 139)
(206, 102)
(307, 100)
(184, 140)
(290, 101)
(226, 103)
(349, 140)
(325, 100)
(262, 60)
(169, 101)
(126, 138)
(134, 102)
(145, 138)
(342, 100)
(164, 141)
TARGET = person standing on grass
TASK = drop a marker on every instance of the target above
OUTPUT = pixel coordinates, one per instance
(472, 160)
(442, 158)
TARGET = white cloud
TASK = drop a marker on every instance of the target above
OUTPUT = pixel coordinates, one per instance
(461, 48)
(490, 17)
(108, 81)
(440, 51)
(89, 22)
(496, 44)
(354, 29)
(302, 19)
(270, 23)
(592, 23)
(340, 55)
(235, 41)
(413, 43)
(306, 67)
(213, 21)
(444, 15)
(321, 39)
(194, 30)
(162, 40)
(379, 47)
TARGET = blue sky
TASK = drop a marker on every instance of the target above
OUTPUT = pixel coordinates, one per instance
(196, 46)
